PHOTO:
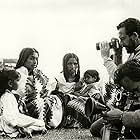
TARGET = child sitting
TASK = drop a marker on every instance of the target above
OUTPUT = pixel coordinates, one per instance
(90, 78)
(77, 106)
(12, 122)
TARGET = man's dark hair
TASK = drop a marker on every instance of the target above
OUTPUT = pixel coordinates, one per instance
(131, 25)
(129, 69)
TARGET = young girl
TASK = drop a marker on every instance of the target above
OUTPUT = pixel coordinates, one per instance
(76, 107)
(11, 120)
(90, 89)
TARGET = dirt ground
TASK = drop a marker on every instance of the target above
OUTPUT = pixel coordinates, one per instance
(62, 134)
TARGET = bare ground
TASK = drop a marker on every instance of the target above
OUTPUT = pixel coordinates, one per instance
(62, 134)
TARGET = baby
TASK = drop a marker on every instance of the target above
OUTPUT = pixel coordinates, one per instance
(89, 80)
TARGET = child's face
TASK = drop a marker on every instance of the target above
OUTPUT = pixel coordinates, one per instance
(88, 79)
(15, 84)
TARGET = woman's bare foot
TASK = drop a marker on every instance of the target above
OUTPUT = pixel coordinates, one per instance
(25, 131)
(44, 131)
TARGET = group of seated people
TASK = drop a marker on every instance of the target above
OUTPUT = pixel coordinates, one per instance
(30, 103)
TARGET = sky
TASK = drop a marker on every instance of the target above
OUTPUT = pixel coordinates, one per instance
(57, 27)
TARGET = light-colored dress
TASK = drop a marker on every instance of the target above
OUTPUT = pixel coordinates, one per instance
(11, 117)
(60, 83)
(22, 82)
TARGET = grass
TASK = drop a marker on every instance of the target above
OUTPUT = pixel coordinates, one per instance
(62, 134)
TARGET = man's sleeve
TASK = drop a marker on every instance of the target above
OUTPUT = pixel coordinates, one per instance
(131, 119)
(110, 66)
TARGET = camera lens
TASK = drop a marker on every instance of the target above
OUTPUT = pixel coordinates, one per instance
(113, 44)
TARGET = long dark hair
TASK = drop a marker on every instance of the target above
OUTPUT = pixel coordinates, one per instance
(65, 71)
(23, 56)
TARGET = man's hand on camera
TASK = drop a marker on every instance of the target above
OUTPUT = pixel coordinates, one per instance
(105, 49)
(113, 116)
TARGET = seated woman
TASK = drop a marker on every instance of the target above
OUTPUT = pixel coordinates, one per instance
(67, 83)
(67, 79)
(63, 85)
(90, 89)
(32, 86)
(12, 122)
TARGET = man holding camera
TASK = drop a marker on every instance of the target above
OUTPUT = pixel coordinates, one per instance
(129, 34)
(126, 121)
(126, 76)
